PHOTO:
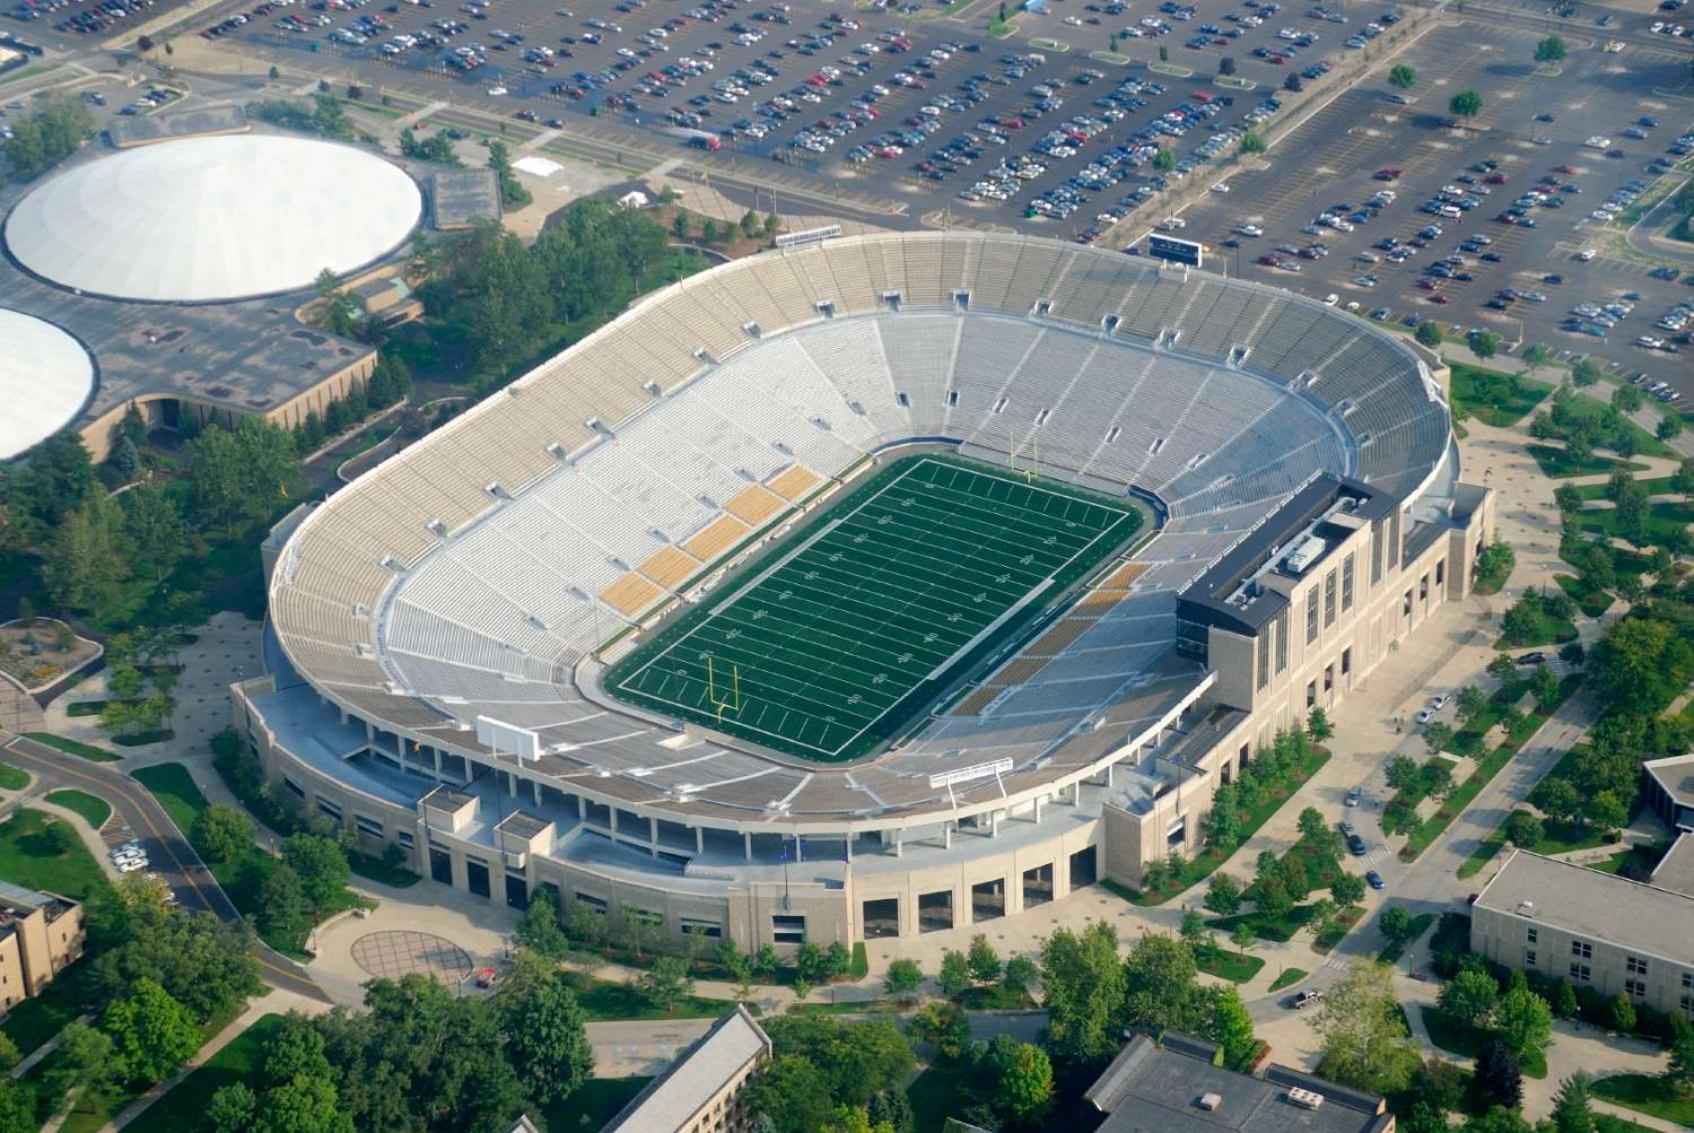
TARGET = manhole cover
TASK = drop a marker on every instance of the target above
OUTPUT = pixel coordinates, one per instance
(390, 955)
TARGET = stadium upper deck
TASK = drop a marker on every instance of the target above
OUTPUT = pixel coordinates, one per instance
(484, 571)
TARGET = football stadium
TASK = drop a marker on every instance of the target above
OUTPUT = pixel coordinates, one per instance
(863, 588)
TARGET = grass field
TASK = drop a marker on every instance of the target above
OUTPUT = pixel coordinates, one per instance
(1457, 1038)
(1558, 464)
(1288, 978)
(95, 810)
(1495, 398)
(594, 1103)
(12, 778)
(74, 747)
(1650, 1095)
(29, 857)
(183, 1108)
(828, 647)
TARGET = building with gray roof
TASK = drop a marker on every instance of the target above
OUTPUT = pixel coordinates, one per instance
(1670, 790)
(700, 1092)
(460, 197)
(1675, 870)
(1174, 1085)
(1590, 929)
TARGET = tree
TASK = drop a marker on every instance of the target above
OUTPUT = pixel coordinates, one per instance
(1164, 160)
(1497, 1079)
(321, 864)
(87, 556)
(1083, 991)
(1313, 827)
(1500, 1119)
(903, 980)
(667, 983)
(1469, 997)
(955, 975)
(679, 224)
(338, 309)
(85, 1061)
(1231, 1027)
(1396, 924)
(944, 1026)
(1669, 427)
(1571, 1111)
(1242, 936)
(1251, 144)
(1193, 931)
(221, 833)
(1437, 736)
(1523, 829)
(1626, 399)
(1222, 824)
(1223, 895)
(1021, 974)
(203, 963)
(152, 1034)
(1402, 772)
(984, 961)
(1226, 65)
(284, 913)
(1364, 1039)
(1022, 1077)
(512, 192)
(1622, 1010)
(1318, 726)
(1484, 343)
(1679, 1071)
(1535, 356)
(1465, 104)
(1161, 989)
(1428, 334)
(791, 1093)
(543, 1024)
(1586, 372)
(856, 1059)
(1402, 76)
(892, 1108)
(1524, 1022)
(1550, 50)
(17, 1107)
(1292, 84)
(539, 930)
(709, 230)
(811, 963)
(158, 536)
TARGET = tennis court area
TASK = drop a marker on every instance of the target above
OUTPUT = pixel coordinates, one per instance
(827, 646)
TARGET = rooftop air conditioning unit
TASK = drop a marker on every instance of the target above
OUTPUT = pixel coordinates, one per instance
(1305, 1099)
(1210, 1102)
(1305, 555)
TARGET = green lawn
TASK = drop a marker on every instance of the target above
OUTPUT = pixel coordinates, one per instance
(1281, 929)
(176, 791)
(1607, 1123)
(1228, 964)
(93, 809)
(1492, 397)
(1483, 854)
(1547, 630)
(1593, 601)
(603, 999)
(826, 1006)
(34, 1021)
(595, 1103)
(1392, 951)
(993, 997)
(1643, 857)
(1648, 1094)
(1559, 464)
(1288, 978)
(1655, 486)
(1338, 928)
(73, 747)
(1468, 1042)
(1662, 519)
(183, 1108)
(12, 778)
(27, 857)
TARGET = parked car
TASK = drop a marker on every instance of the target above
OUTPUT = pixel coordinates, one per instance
(1354, 795)
(1374, 879)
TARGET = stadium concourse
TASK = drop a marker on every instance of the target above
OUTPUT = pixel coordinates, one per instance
(460, 635)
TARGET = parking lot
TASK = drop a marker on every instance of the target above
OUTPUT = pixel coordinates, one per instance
(1045, 131)
(1501, 225)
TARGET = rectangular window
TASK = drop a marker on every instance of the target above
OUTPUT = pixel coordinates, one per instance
(1688, 1005)
(1281, 642)
(598, 904)
(1688, 981)
(1312, 615)
(1329, 599)
(1406, 605)
(1375, 553)
(1529, 957)
(1423, 588)
(329, 809)
(1534, 934)
(1347, 660)
(1440, 571)
(405, 839)
(1311, 693)
(293, 787)
(1328, 678)
(1635, 965)
(1635, 989)
(1264, 656)
(1347, 582)
(368, 825)
(1582, 950)
(698, 927)
(788, 928)
(1580, 972)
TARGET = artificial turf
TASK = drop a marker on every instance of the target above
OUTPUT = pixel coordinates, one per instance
(827, 646)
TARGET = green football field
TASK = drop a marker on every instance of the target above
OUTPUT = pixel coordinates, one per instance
(827, 646)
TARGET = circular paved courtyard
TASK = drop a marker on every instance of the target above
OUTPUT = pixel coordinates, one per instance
(390, 955)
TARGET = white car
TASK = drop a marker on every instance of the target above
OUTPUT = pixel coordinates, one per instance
(496, 91)
(1251, 230)
(1331, 299)
(131, 865)
(1585, 255)
(1220, 187)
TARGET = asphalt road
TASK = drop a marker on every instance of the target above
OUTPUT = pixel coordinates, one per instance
(171, 855)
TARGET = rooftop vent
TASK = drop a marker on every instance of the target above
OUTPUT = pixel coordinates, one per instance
(1526, 908)
(1211, 1102)
(1305, 555)
(1305, 1099)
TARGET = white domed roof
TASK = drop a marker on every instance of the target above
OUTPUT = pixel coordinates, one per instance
(207, 219)
(45, 378)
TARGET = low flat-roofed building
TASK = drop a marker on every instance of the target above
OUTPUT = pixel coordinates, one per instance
(202, 121)
(1590, 929)
(1675, 870)
(1670, 790)
(700, 1092)
(40, 934)
(1175, 1086)
(459, 197)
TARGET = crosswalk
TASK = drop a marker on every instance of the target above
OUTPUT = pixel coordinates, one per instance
(1335, 961)
(1374, 857)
